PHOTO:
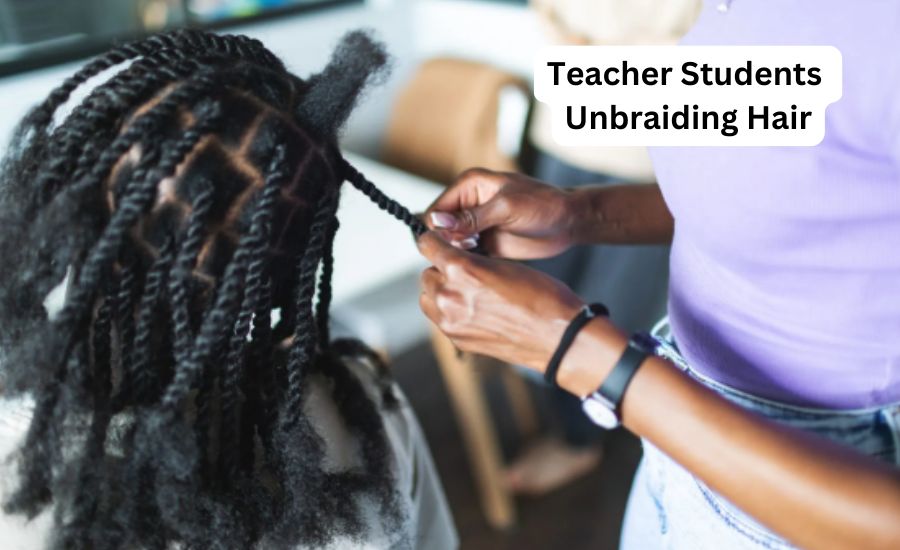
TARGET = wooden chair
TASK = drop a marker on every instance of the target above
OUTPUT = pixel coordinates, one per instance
(462, 375)
(454, 114)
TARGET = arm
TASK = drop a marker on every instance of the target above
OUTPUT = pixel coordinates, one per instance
(519, 217)
(810, 491)
(621, 214)
(813, 492)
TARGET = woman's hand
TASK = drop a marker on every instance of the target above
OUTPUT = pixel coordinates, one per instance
(511, 215)
(494, 307)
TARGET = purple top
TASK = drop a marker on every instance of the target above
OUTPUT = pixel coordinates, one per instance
(785, 268)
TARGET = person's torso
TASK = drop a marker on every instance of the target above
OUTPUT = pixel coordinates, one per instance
(785, 269)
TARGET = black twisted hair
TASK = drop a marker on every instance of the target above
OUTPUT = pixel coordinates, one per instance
(185, 199)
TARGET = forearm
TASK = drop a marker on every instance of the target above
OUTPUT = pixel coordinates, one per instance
(621, 214)
(813, 492)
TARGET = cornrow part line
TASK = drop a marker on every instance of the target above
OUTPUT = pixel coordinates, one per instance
(384, 202)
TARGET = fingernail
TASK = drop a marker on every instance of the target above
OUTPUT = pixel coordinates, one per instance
(443, 220)
(468, 243)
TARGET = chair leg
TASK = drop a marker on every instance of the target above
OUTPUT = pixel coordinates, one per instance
(520, 400)
(479, 435)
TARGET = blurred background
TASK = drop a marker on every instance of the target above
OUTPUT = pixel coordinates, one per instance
(521, 466)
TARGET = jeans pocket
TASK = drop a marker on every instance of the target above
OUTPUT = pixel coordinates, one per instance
(655, 479)
(738, 522)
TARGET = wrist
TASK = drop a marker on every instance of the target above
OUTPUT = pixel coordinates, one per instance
(581, 214)
(591, 357)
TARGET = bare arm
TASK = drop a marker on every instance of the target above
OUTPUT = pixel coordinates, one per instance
(519, 217)
(810, 491)
(813, 492)
(622, 214)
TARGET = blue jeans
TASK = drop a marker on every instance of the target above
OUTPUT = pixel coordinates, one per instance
(670, 508)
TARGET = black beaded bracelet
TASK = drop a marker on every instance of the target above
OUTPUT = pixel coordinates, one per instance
(587, 313)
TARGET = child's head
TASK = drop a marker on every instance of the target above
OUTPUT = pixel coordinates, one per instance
(188, 196)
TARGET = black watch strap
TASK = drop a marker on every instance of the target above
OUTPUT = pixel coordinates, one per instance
(586, 313)
(613, 388)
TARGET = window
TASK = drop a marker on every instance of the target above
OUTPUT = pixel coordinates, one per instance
(37, 33)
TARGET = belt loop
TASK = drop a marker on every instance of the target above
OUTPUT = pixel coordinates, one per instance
(891, 417)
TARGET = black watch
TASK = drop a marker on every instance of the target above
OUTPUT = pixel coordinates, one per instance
(602, 406)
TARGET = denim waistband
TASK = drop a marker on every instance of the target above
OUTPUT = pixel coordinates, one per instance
(874, 431)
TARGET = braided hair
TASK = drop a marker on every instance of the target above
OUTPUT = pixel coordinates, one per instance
(185, 199)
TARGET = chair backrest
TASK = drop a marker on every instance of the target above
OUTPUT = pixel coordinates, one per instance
(455, 114)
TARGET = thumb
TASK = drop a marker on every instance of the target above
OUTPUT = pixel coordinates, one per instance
(471, 220)
(436, 250)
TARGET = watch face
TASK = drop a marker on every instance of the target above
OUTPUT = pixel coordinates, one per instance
(599, 413)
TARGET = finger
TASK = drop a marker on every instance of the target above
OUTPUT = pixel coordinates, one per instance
(426, 303)
(431, 281)
(467, 243)
(471, 188)
(462, 241)
(473, 220)
(437, 251)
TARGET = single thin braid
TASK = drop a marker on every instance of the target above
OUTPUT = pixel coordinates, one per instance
(180, 286)
(180, 280)
(125, 310)
(303, 345)
(323, 307)
(263, 340)
(384, 202)
(260, 229)
(138, 381)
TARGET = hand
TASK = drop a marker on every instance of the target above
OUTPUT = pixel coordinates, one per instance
(511, 215)
(494, 307)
